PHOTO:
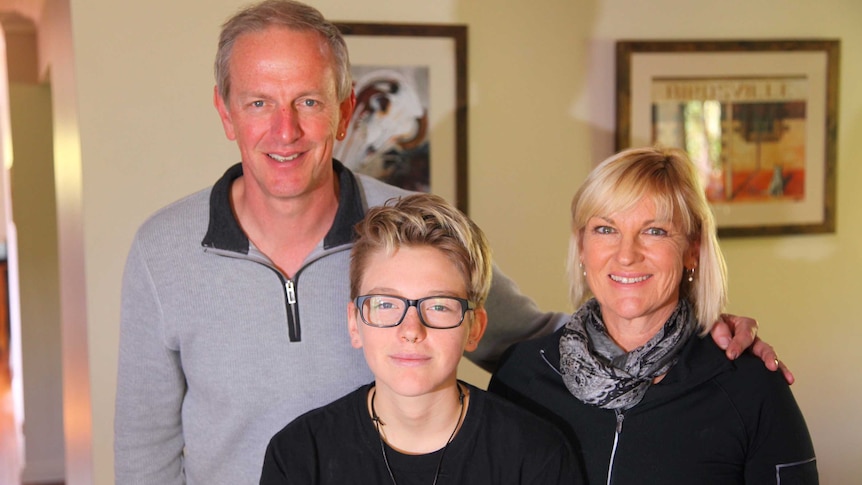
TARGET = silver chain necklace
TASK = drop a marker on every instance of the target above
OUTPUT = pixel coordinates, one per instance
(376, 420)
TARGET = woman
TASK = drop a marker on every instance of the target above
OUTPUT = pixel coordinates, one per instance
(417, 423)
(642, 395)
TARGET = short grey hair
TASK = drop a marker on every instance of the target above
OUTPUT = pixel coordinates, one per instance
(282, 13)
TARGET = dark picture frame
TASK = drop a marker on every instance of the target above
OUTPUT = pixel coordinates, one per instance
(431, 59)
(758, 117)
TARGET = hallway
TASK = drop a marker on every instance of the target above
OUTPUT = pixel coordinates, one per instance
(10, 455)
(11, 464)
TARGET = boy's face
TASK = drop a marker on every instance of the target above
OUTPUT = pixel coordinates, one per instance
(412, 359)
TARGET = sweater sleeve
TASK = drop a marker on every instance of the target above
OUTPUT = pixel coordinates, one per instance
(148, 439)
(512, 317)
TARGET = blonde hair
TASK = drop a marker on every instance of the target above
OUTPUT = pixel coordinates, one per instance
(669, 178)
(424, 220)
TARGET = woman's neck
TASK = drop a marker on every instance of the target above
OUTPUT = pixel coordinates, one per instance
(418, 424)
(630, 334)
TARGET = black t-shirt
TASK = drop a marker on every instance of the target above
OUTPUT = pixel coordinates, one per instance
(498, 444)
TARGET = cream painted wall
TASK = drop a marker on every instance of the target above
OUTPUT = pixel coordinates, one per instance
(541, 87)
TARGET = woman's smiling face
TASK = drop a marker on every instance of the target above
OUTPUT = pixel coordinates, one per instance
(634, 264)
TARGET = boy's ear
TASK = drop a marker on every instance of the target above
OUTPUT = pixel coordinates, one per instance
(352, 326)
(477, 328)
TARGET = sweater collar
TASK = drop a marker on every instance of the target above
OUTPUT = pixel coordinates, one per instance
(225, 233)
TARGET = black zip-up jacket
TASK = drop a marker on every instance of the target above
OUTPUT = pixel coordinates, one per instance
(709, 421)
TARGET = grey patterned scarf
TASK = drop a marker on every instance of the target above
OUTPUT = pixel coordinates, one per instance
(598, 372)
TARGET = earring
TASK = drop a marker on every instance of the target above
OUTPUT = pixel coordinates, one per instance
(582, 268)
(691, 274)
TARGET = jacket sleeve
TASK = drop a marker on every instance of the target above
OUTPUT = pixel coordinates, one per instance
(148, 437)
(512, 317)
(780, 450)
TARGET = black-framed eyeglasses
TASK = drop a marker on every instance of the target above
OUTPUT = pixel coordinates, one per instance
(434, 311)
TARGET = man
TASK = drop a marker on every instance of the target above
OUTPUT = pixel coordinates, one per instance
(233, 302)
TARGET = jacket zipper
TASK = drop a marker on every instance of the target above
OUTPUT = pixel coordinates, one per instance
(617, 431)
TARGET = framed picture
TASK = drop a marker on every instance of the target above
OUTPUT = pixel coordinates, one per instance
(758, 118)
(409, 127)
